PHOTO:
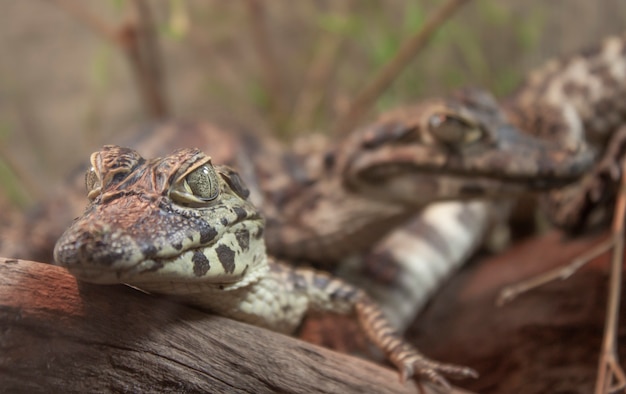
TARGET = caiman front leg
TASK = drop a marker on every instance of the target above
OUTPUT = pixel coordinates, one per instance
(328, 294)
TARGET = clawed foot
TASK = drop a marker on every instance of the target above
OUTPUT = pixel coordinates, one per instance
(413, 364)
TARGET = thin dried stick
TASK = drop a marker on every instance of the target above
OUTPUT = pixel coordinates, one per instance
(317, 77)
(270, 66)
(145, 61)
(511, 292)
(409, 49)
(148, 66)
(611, 377)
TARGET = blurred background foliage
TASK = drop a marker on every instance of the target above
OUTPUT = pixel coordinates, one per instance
(65, 89)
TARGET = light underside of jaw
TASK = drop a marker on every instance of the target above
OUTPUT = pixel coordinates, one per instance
(179, 268)
(225, 261)
(502, 175)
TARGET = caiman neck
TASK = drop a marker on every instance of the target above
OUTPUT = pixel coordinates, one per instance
(330, 223)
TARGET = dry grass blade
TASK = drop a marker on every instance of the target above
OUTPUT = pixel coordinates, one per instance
(511, 292)
(319, 74)
(408, 50)
(269, 65)
(138, 40)
(145, 55)
(611, 377)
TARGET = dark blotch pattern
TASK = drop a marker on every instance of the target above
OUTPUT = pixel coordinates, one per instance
(344, 293)
(207, 234)
(243, 239)
(298, 281)
(240, 212)
(320, 282)
(149, 251)
(201, 264)
(226, 257)
(381, 266)
(177, 245)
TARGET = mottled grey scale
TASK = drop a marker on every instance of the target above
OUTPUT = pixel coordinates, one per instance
(298, 281)
(344, 293)
(259, 233)
(149, 250)
(226, 256)
(240, 212)
(207, 234)
(321, 282)
(243, 239)
(201, 264)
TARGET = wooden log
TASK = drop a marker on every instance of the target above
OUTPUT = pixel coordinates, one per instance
(545, 341)
(59, 335)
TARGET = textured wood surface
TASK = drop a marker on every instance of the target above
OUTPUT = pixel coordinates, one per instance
(545, 341)
(60, 336)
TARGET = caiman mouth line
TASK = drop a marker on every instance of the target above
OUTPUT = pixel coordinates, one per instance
(544, 181)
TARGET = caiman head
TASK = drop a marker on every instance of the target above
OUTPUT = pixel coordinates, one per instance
(152, 222)
(459, 147)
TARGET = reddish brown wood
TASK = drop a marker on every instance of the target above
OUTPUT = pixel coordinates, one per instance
(59, 336)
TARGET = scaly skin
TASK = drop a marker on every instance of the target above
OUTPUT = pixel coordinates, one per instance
(375, 180)
(579, 98)
(327, 202)
(182, 227)
(458, 148)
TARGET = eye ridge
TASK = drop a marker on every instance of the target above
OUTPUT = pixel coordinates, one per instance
(235, 182)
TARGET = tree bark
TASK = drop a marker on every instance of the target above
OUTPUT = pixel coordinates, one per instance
(60, 335)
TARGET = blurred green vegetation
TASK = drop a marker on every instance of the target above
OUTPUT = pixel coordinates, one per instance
(371, 33)
(213, 69)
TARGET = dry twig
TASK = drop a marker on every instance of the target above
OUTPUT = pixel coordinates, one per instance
(317, 77)
(611, 377)
(137, 39)
(269, 65)
(381, 81)
(142, 49)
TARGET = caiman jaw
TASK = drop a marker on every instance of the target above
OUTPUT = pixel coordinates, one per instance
(457, 149)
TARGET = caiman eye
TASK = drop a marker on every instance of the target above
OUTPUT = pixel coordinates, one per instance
(452, 130)
(203, 183)
(198, 187)
(92, 183)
